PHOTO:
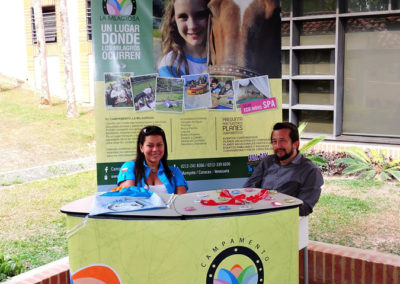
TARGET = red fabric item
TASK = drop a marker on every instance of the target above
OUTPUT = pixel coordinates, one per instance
(236, 199)
(257, 197)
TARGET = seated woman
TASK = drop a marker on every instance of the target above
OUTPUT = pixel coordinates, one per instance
(150, 169)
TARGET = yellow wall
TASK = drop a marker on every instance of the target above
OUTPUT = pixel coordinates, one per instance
(85, 49)
(55, 49)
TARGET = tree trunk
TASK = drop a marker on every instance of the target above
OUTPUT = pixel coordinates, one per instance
(72, 110)
(41, 45)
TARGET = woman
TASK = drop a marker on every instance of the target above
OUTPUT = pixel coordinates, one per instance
(151, 170)
(184, 34)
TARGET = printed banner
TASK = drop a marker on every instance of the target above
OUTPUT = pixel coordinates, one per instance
(216, 97)
(260, 248)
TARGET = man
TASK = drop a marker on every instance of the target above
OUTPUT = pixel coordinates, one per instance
(287, 171)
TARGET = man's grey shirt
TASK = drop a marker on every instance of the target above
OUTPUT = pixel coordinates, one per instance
(301, 178)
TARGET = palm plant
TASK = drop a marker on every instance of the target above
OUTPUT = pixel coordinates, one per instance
(370, 164)
(10, 267)
(318, 160)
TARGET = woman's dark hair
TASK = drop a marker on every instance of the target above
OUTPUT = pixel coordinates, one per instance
(140, 159)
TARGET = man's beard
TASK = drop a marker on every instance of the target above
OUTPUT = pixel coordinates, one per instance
(284, 157)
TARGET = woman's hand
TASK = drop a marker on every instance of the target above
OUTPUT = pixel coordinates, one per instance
(127, 183)
(180, 189)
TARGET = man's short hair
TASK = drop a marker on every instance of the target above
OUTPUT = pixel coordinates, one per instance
(294, 132)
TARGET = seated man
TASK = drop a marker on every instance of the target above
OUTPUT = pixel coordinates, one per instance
(287, 171)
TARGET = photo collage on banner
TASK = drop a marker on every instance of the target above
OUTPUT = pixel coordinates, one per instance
(215, 92)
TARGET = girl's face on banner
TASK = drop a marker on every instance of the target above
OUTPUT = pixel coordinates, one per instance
(191, 17)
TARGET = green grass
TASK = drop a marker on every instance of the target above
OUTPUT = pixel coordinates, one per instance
(15, 181)
(22, 106)
(161, 107)
(138, 88)
(156, 33)
(337, 210)
(169, 96)
(354, 183)
(33, 228)
(37, 136)
(358, 213)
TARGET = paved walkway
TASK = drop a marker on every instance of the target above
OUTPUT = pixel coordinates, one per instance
(47, 171)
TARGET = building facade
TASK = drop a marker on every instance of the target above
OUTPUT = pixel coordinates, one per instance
(341, 67)
(81, 47)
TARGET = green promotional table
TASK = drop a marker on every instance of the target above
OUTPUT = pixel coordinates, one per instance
(187, 242)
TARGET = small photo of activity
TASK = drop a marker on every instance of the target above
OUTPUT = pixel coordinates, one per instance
(117, 90)
(197, 91)
(169, 94)
(251, 89)
(222, 94)
(144, 92)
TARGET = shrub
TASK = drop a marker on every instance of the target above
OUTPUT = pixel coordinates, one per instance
(370, 164)
(330, 167)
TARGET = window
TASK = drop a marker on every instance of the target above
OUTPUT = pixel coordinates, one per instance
(285, 92)
(285, 7)
(366, 6)
(285, 33)
(317, 7)
(285, 62)
(341, 66)
(315, 61)
(49, 22)
(88, 20)
(315, 92)
(317, 32)
(371, 76)
(320, 122)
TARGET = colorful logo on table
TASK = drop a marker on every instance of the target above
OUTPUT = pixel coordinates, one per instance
(236, 265)
(119, 7)
(97, 273)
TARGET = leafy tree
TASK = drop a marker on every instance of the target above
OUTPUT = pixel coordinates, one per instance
(370, 164)
(41, 44)
(72, 110)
